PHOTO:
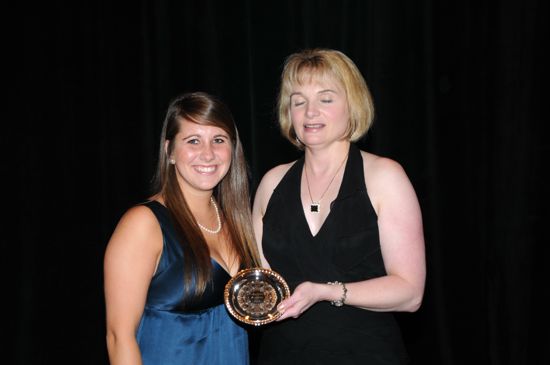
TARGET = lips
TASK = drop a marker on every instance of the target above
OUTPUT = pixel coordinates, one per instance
(313, 125)
(205, 169)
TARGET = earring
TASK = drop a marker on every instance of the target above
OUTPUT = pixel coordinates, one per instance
(172, 161)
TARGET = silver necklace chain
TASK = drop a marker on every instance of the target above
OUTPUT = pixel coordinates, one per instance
(217, 230)
(315, 206)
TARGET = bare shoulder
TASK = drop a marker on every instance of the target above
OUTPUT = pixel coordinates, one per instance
(269, 182)
(274, 176)
(386, 180)
(138, 227)
(381, 168)
(139, 216)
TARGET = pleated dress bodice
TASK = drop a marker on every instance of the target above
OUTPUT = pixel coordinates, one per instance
(201, 332)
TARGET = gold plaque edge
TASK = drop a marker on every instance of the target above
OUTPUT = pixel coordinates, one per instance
(239, 275)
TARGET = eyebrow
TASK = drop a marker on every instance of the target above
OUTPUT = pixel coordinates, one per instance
(221, 135)
(318, 92)
(200, 136)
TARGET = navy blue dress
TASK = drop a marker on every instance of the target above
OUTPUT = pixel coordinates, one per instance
(204, 333)
(347, 249)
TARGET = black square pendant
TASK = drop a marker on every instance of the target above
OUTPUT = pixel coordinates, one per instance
(314, 207)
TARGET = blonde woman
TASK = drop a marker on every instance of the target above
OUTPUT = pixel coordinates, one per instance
(341, 225)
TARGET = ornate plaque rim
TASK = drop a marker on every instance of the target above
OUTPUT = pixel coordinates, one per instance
(229, 293)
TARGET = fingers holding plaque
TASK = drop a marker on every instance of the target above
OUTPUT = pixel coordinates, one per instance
(252, 295)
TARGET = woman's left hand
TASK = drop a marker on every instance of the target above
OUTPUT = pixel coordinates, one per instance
(305, 295)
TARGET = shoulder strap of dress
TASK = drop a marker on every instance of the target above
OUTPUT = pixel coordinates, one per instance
(354, 176)
(162, 214)
(293, 173)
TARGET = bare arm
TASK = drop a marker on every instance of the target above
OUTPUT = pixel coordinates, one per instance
(402, 245)
(129, 264)
(401, 241)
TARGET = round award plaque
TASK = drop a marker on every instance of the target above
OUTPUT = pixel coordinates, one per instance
(252, 295)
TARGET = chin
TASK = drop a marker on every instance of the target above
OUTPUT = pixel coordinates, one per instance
(208, 185)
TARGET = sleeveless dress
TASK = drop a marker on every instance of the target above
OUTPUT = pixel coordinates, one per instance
(347, 249)
(204, 333)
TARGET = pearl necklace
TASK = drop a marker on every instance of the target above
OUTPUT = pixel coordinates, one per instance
(217, 230)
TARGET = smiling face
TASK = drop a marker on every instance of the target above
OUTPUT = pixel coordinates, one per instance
(202, 156)
(319, 111)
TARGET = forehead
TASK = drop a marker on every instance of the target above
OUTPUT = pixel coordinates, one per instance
(315, 82)
(187, 126)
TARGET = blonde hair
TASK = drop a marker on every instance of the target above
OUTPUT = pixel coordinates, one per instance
(318, 63)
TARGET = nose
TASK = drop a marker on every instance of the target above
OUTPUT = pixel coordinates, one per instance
(207, 152)
(311, 110)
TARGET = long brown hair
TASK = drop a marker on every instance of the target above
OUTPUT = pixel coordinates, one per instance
(232, 192)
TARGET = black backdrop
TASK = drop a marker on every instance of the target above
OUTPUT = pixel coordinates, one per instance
(460, 95)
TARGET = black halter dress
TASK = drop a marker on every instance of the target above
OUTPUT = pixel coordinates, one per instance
(347, 249)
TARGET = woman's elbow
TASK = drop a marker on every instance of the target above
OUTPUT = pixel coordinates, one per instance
(117, 339)
(415, 301)
(414, 305)
(111, 340)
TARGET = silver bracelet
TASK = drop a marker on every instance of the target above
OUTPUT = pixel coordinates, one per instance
(340, 302)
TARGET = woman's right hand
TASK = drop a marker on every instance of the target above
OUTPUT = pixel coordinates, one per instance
(304, 296)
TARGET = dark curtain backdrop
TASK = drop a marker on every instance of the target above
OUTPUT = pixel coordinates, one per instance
(460, 95)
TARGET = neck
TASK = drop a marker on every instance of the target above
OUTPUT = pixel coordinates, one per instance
(324, 161)
(198, 202)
